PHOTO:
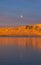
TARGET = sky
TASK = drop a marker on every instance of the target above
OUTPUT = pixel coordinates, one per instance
(20, 12)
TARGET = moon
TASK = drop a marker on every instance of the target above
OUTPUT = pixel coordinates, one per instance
(21, 16)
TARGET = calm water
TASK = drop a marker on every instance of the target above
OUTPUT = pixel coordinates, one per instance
(20, 51)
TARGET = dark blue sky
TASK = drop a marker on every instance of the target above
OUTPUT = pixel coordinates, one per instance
(12, 10)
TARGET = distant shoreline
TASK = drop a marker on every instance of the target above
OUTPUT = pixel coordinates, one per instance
(21, 31)
(22, 36)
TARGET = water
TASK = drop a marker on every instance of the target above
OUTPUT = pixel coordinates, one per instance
(20, 51)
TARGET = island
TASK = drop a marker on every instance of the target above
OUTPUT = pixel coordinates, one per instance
(23, 30)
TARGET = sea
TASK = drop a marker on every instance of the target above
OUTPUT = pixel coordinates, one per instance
(20, 50)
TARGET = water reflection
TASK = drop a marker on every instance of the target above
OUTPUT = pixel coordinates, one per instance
(23, 42)
(21, 51)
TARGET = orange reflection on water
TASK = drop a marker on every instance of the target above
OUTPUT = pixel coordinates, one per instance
(23, 42)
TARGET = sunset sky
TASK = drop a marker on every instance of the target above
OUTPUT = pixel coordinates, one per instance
(20, 12)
